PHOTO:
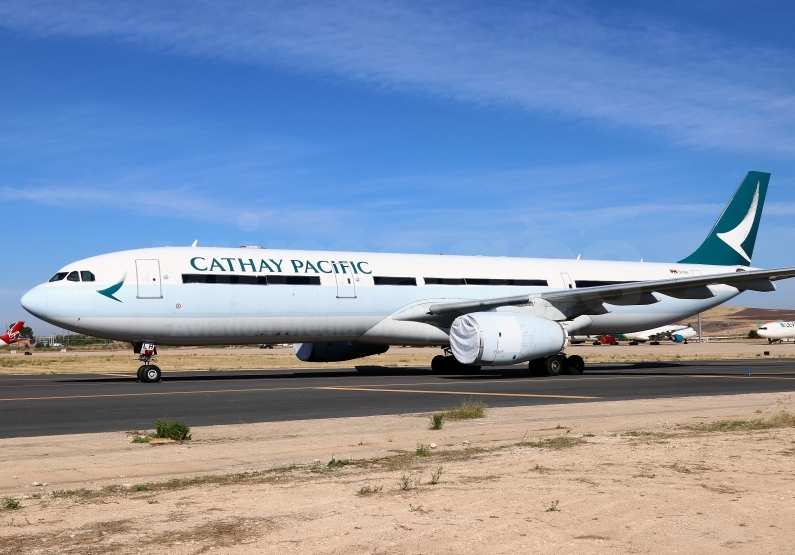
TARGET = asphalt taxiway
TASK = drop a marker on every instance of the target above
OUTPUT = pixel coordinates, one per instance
(33, 405)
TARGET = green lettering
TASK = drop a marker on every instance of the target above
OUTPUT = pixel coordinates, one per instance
(193, 263)
(310, 265)
(243, 264)
(353, 267)
(297, 264)
(362, 270)
(229, 261)
(216, 263)
(264, 264)
(336, 270)
(277, 264)
(344, 266)
(321, 267)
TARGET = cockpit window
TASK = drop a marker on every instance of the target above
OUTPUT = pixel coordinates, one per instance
(73, 276)
(87, 276)
(59, 276)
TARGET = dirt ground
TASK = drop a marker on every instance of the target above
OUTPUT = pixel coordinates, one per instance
(281, 358)
(650, 476)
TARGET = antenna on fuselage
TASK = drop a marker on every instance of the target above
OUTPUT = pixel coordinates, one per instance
(196, 242)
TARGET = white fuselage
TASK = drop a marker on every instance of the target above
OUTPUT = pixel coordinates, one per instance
(777, 330)
(203, 296)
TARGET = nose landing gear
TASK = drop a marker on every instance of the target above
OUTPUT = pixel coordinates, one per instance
(148, 373)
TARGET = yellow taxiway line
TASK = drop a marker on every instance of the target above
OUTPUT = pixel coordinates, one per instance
(443, 392)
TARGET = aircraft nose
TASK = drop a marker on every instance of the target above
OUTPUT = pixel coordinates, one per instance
(35, 301)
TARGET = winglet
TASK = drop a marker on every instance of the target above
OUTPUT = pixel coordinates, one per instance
(196, 242)
(731, 241)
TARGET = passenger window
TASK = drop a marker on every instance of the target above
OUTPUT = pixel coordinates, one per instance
(73, 276)
(58, 277)
(87, 276)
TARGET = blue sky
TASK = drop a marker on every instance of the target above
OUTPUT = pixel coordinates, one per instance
(519, 129)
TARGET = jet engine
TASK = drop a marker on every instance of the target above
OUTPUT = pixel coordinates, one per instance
(336, 351)
(493, 338)
(677, 338)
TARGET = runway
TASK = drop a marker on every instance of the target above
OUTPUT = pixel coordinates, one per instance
(33, 405)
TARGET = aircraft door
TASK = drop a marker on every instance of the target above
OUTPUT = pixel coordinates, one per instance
(346, 286)
(148, 272)
(567, 283)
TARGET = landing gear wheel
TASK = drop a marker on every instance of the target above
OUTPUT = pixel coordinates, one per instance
(449, 365)
(439, 364)
(150, 374)
(553, 366)
(575, 364)
(141, 373)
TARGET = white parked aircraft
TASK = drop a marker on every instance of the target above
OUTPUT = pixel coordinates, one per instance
(341, 305)
(676, 333)
(777, 331)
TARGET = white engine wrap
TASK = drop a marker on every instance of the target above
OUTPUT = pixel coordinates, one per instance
(492, 338)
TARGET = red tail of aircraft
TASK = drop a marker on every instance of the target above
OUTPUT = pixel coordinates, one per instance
(12, 335)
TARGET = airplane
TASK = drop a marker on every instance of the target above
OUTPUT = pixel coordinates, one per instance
(777, 331)
(12, 335)
(335, 306)
(676, 333)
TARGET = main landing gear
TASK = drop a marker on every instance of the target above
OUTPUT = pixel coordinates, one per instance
(148, 373)
(449, 365)
(556, 365)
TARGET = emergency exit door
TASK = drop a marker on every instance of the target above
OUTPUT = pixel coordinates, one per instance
(346, 286)
(148, 272)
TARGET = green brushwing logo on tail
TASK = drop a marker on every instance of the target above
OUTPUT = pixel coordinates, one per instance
(731, 241)
(113, 289)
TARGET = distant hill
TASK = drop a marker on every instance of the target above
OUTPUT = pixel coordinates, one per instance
(737, 320)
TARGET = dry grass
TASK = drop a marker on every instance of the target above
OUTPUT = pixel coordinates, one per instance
(781, 420)
(559, 442)
(468, 410)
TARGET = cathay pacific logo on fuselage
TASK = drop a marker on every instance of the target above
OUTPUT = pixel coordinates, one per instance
(272, 266)
(737, 236)
(113, 289)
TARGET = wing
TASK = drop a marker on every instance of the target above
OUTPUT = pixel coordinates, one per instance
(633, 293)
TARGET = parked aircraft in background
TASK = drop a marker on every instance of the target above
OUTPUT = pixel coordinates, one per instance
(343, 305)
(12, 335)
(676, 333)
(777, 331)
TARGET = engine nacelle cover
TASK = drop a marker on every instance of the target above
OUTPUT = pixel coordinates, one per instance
(336, 351)
(493, 338)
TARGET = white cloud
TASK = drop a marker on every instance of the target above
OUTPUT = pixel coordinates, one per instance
(649, 75)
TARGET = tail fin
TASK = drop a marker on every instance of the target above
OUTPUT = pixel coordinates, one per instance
(731, 241)
(12, 335)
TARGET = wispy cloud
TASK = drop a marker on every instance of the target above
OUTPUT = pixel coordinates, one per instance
(693, 89)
